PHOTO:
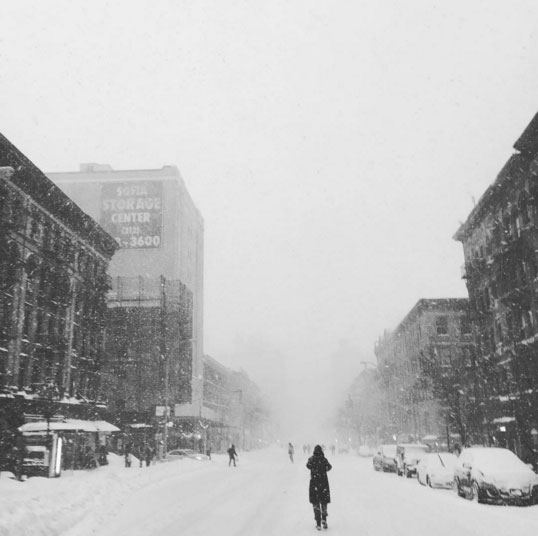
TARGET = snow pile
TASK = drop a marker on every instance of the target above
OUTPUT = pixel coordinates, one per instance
(51, 506)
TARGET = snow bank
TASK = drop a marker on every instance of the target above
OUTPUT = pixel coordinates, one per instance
(51, 506)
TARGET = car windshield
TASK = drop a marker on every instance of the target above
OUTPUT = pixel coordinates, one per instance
(389, 450)
(443, 459)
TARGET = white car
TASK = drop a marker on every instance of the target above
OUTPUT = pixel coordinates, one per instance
(495, 475)
(365, 451)
(436, 470)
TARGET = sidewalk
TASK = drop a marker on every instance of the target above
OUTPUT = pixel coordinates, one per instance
(50, 506)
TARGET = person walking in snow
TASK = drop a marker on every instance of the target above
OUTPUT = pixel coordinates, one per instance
(233, 455)
(291, 450)
(149, 453)
(319, 493)
(140, 455)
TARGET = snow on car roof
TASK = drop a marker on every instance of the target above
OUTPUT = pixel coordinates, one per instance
(493, 457)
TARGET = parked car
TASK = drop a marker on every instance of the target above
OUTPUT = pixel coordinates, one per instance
(385, 458)
(407, 457)
(495, 475)
(365, 451)
(437, 470)
(179, 454)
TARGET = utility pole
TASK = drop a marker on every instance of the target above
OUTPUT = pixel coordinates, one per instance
(164, 357)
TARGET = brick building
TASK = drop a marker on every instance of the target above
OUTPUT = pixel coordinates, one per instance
(500, 244)
(418, 364)
(53, 285)
(155, 331)
(237, 411)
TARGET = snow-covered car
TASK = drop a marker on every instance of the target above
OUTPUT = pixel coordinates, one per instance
(385, 458)
(437, 470)
(365, 451)
(407, 457)
(179, 454)
(495, 475)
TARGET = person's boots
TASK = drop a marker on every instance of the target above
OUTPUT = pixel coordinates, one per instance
(317, 517)
(324, 519)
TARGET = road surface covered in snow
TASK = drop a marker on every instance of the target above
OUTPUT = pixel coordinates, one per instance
(264, 495)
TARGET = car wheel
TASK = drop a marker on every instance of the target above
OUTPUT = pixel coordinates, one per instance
(428, 481)
(475, 493)
(458, 488)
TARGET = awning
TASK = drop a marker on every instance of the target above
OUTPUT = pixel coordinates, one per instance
(69, 425)
(104, 426)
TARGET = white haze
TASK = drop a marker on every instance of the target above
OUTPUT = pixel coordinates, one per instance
(332, 147)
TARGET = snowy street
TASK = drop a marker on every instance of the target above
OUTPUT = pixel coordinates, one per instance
(264, 495)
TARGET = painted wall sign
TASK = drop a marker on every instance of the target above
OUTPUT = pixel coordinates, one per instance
(131, 212)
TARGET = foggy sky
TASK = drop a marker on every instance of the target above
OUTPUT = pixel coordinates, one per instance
(333, 148)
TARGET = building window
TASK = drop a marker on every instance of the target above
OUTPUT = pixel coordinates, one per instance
(441, 325)
(498, 329)
(487, 301)
(518, 226)
(525, 218)
(445, 358)
(465, 325)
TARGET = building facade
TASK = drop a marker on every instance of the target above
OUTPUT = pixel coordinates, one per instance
(235, 408)
(155, 333)
(500, 245)
(421, 365)
(149, 344)
(53, 286)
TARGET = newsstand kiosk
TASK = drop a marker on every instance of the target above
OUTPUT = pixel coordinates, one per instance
(41, 454)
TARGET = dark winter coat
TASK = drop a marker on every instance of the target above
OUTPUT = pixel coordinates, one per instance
(318, 490)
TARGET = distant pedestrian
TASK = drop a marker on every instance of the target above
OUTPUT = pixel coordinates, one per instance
(149, 454)
(102, 456)
(318, 492)
(333, 449)
(127, 454)
(291, 450)
(208, 451)
(232, 454)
